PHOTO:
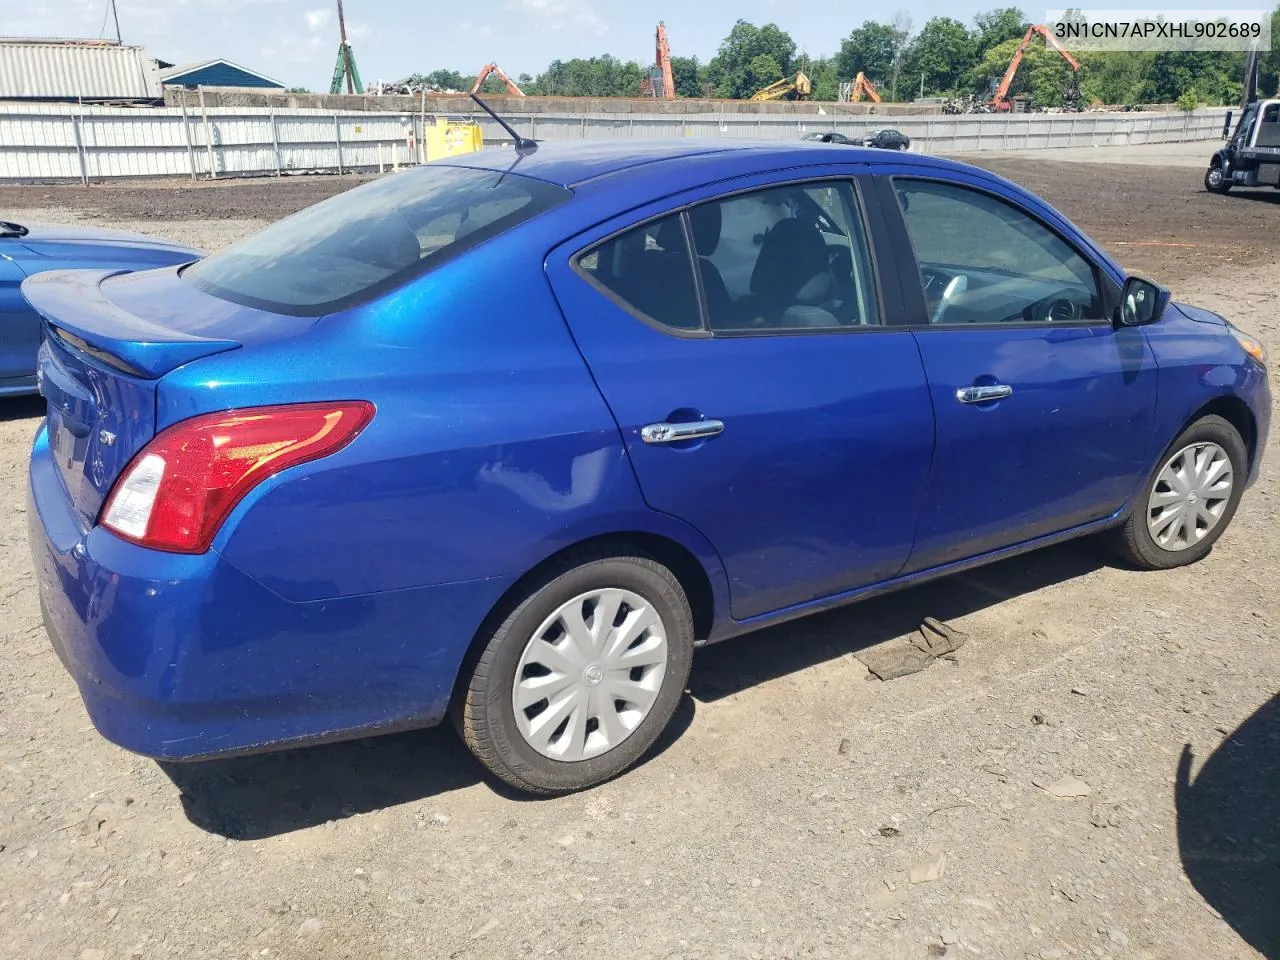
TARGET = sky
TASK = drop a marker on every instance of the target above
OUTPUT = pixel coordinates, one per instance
(296, 41)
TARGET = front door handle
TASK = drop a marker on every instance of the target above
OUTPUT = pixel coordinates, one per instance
(674, 432)
(996, 391)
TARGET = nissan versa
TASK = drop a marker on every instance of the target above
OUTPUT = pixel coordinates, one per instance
(29, 249)
(506, 438)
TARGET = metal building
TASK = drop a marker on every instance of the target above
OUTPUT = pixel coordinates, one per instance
(91, 71)
(216, 73)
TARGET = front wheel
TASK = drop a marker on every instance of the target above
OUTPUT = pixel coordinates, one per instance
(1189, 499)
(581, 678)
(1215, 181)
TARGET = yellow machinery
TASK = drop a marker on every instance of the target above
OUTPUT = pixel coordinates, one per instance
(863, 87)
(800, 85)
(448, 139)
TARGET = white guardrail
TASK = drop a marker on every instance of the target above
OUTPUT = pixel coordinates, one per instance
(51, 142)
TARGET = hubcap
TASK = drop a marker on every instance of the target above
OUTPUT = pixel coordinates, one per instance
(1215, 177)
(590, 674)
(1190, 496)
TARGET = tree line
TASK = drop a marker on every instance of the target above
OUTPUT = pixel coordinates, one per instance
(943, 58)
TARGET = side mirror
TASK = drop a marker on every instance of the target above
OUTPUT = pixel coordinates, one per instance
(1226, 127)
(1141, 302)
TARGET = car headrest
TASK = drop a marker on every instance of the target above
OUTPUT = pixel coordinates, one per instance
(793, 266)
(707, 222)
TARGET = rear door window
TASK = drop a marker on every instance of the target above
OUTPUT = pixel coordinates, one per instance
(649, 271)
(359, 244)
(777, 259)
(785, 258)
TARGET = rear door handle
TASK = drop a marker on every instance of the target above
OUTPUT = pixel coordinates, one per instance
(996, 391)
(674, 432)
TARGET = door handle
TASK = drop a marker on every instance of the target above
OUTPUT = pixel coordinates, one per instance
(996, 391)
(674, 432)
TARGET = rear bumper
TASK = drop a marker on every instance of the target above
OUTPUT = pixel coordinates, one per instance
(186, 657)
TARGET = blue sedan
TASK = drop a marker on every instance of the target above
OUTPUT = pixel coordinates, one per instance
(29, 249)
(506, 438)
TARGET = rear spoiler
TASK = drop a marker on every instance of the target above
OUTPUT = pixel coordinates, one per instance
(77, 312)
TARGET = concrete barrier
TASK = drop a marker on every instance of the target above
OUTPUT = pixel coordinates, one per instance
(519, 106)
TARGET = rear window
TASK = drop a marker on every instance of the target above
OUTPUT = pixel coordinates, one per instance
(354, 246)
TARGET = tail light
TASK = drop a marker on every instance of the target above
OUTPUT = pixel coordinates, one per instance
(181, 486)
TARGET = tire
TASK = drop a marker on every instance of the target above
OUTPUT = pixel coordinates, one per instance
(1135, 540)
(485, 711)
(1215, 181)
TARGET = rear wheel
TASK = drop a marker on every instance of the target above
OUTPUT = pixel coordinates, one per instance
(1189, 499)
(580, 679)
(1215, 181)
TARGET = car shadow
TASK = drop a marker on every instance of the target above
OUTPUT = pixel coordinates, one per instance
(1229, 828)
(249, 798)
(733, 666)
(265, 795)
(21, 408)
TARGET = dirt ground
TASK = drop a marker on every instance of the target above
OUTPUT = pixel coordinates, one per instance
(794, 801)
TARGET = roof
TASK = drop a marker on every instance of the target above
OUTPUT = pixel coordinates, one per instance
(66, 42)
(572, 163)
(175, 75)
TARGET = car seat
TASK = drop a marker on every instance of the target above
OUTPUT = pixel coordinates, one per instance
(792, 276)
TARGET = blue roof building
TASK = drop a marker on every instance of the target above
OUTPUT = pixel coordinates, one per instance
(216, 73)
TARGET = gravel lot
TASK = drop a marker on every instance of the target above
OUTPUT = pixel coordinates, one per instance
(796, 798)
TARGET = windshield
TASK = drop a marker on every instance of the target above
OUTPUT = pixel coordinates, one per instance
(352, 247)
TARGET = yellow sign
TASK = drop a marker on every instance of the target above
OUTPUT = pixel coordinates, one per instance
(447, 139)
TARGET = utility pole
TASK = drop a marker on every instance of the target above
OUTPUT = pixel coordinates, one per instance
(1250, 92)
(115, 14)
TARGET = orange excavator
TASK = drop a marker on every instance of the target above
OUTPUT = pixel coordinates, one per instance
(495, 70)
(661, 71)
(663, 61)
(1000, 101)
(863, 87)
